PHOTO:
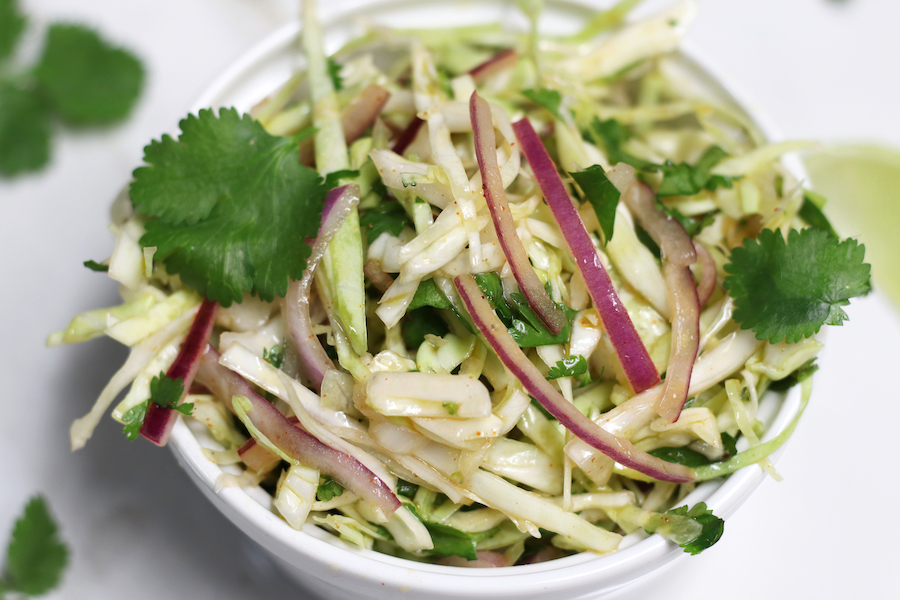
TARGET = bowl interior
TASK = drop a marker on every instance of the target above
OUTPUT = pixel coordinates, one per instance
(316, 554)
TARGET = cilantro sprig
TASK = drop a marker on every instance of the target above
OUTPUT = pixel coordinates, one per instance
(328, 489)
(79, 78)
(232, 206)
(545, 97)
(36, 556)
(165, 392)
(602, 194)
(568, 367)
(713, 527)
(788, 290)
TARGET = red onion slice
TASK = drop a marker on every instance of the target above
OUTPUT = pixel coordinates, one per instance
(314, 362)
(486, 153)
(497, 63)
(292, 439)
(678, 254)
(615, 447)
(708, 277)
(635, 360)
(407, 136)
(358, 117)
(159, 421)
(682, 295)
(485, 560)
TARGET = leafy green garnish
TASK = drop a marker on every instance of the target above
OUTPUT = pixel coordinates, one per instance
(428, 294)
(166, 392)
(683, 456)
(602, 195)
(36, 556)
(421, 322)
(568, 367)
(612, 135)
(233, 206)
(134, 419)
(12, 24)
(334, 178)
(79, 77)
(713, 527)
(274, 355)
(328, 489)
(88, 81)
(549, 99)
(93, 265)
(24, 130)
(451, 407)
(407, 489)
(449, 541)
(692, 225)
(386, 217)
(334, 71)
(805, 370)
(730, 443)
(811, 212)
(683, 179)
(787, 291)
(522, 323)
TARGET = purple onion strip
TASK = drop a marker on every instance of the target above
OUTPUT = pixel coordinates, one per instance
(292, 439)
(613, 446)
(407, 136)
(492, 183)
(497, 63)
(314, 362)
(708, 276)
(635, 360)
(159, 420)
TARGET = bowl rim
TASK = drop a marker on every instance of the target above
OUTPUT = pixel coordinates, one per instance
(327, 550)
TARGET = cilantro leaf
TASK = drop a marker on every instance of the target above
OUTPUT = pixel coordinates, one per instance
(612, 135)
(87, 80)
(334, 71)
(36, 556)
(683, 456)
(333, 179)
(730, 443)
(386, 217)
(692, 225)
(12, 24)
(24, 130)
(684, 180)
(421, 322)
(602, 195)
(428, 294)
(274, 355)
(328, 489)
(93, 265)
(449, 541)
(713, 527)
(787, 291)
(811, 212)
(134, 419)
(522, 323)
(165, 391)
(405, 488)
(234, 206)
(568, 367)
(549, 99)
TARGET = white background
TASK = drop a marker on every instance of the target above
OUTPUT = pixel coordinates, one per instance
(139, 529)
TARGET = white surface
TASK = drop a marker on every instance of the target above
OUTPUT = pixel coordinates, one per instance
(137, 526)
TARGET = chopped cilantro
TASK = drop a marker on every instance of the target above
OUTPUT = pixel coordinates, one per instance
(549, 99)
(568, 367)
(811, 212)
(713, 527)
(233, 206)
(449, 541)
(451, 407)
(421, 322)
(93, 265)
(167, 392)
(805, 370)
(334, 70)
(684, 180)
(12, 24)
(692, 225)
(405, 488)
(334, 178)
(274, 355)
(134, 419)
(730, 443)
(612, 135)
(428, 294)
(88, 81)
(328, 489)
(602, 195)
(444, 80)
(787, 291)
(36, 556)
(522, 323)
(683, 456)
(386, 217)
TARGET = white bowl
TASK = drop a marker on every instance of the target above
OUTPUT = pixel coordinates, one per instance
(335, 570)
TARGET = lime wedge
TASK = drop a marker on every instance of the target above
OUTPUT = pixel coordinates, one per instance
(862, 184)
